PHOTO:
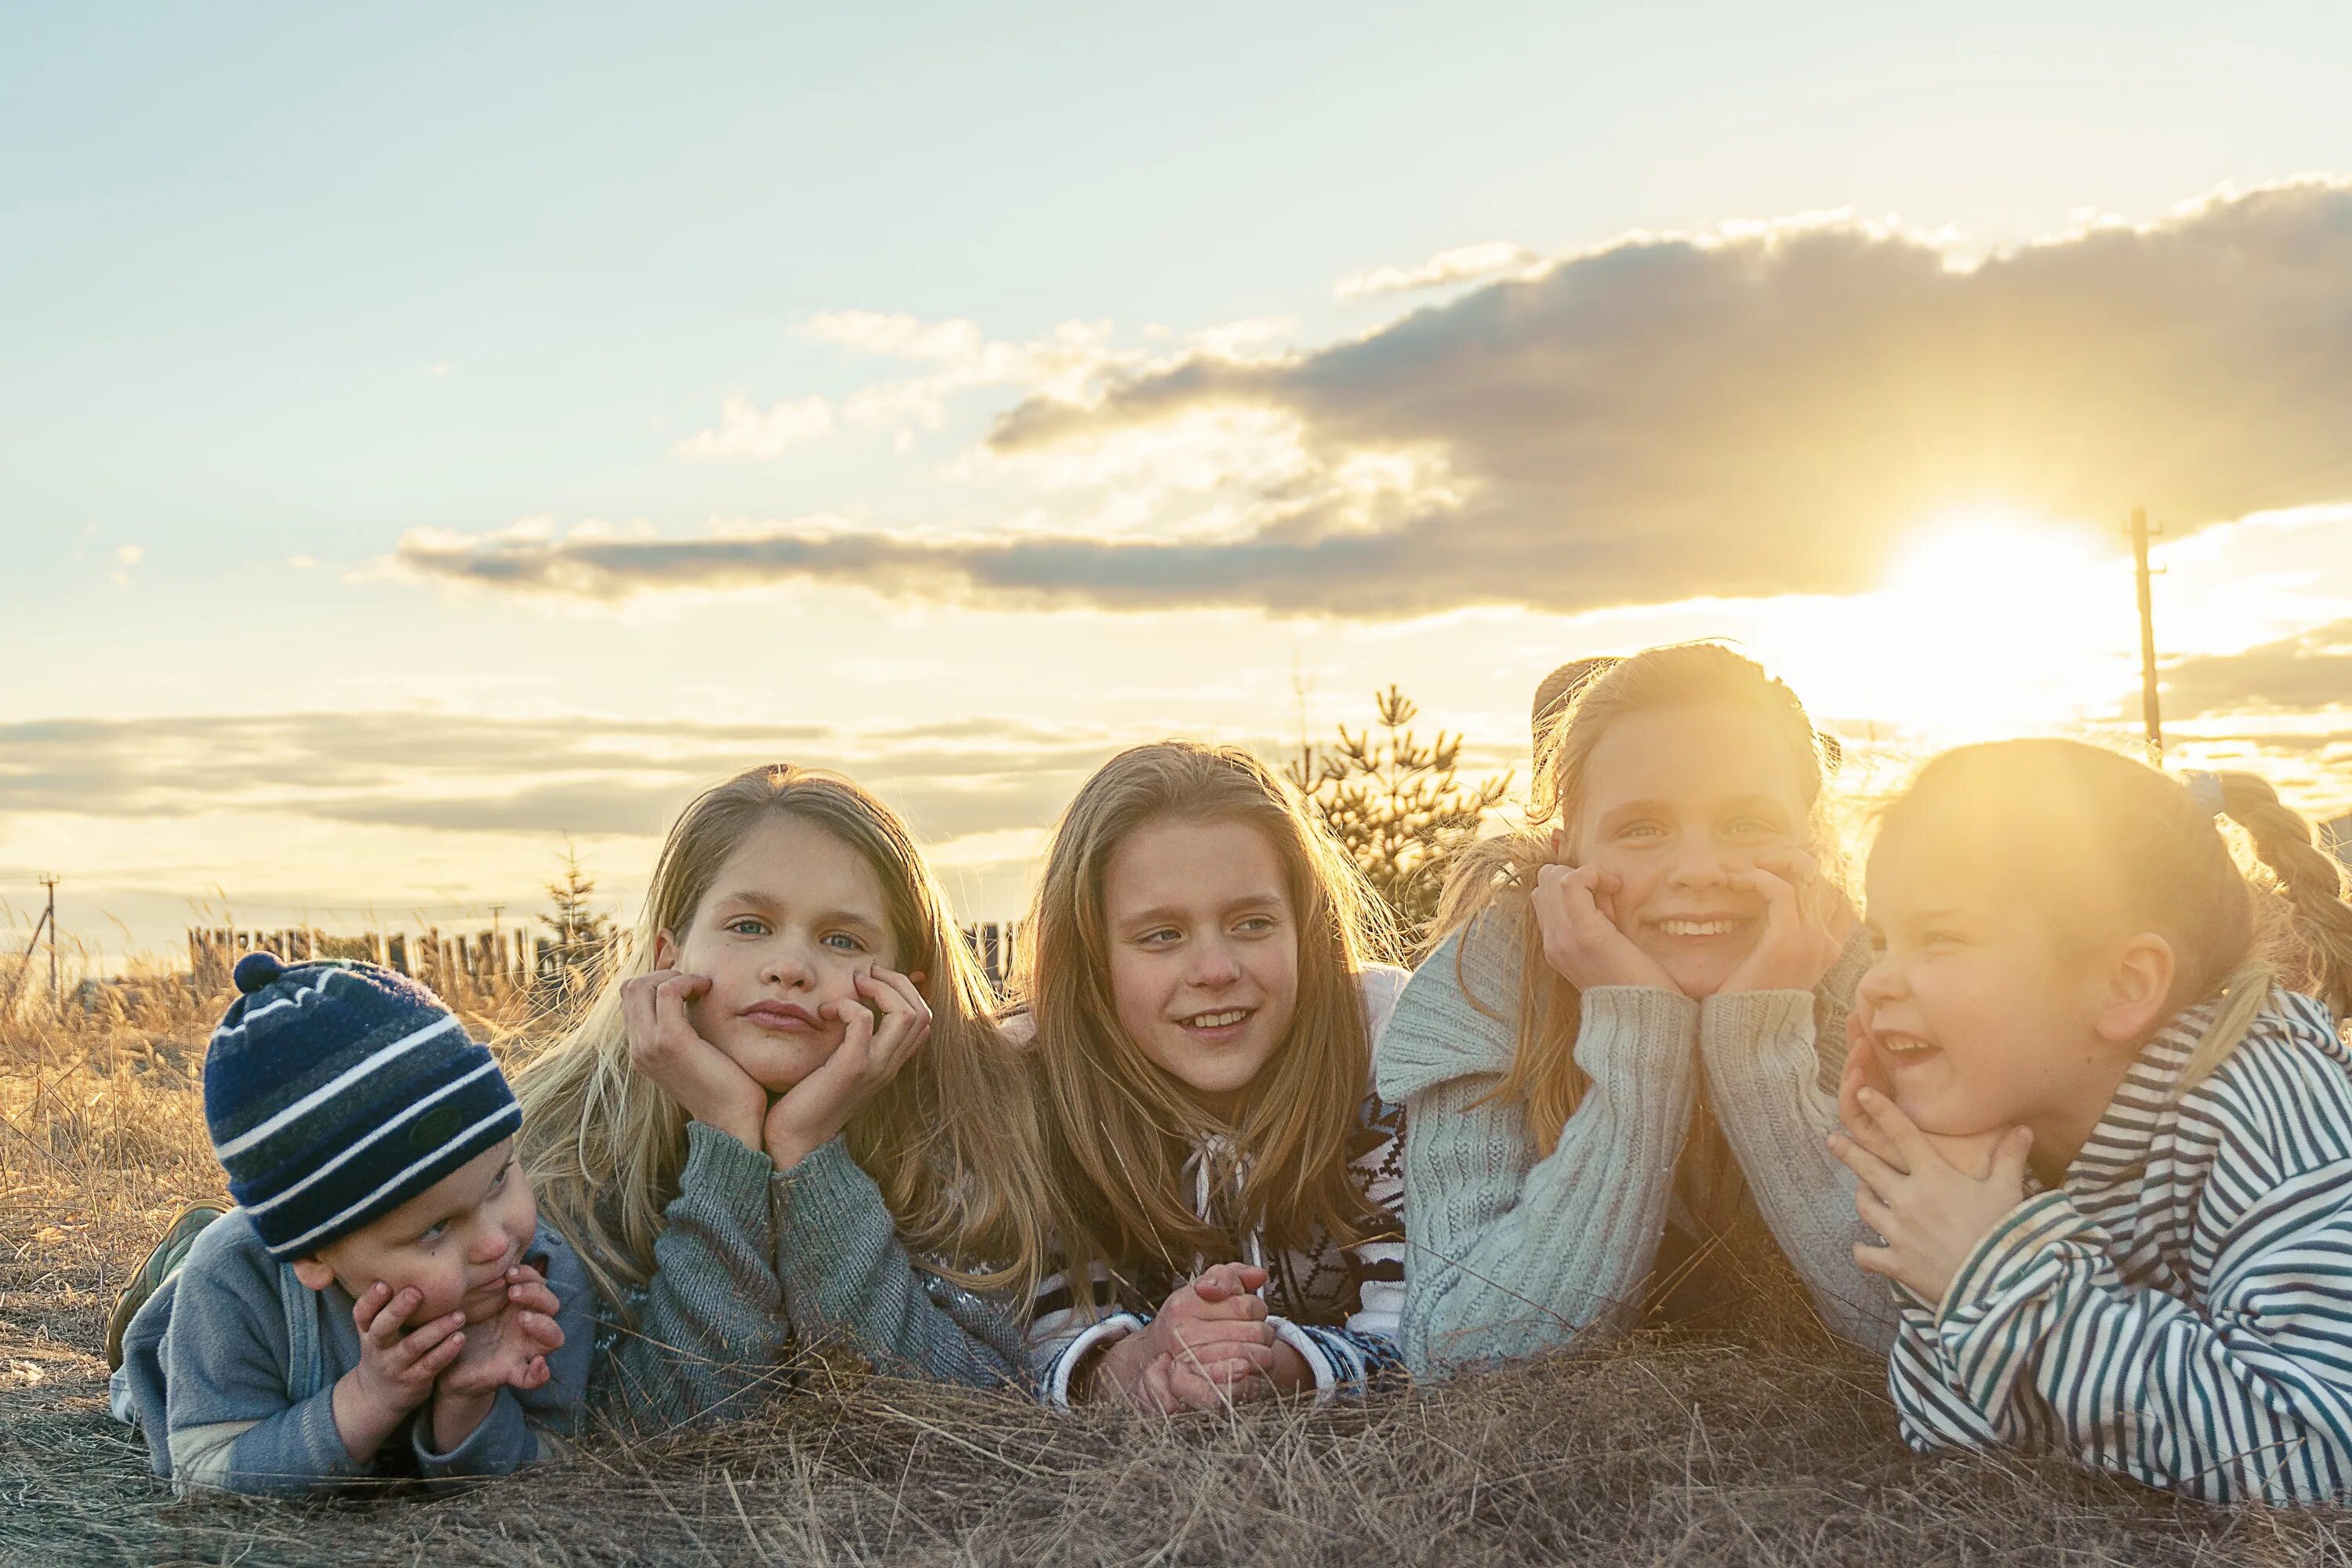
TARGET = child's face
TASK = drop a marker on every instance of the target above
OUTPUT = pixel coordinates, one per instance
(1675, 801)
(1204, 952)
(1980, 1016)
(793, 918)
(454, 1241)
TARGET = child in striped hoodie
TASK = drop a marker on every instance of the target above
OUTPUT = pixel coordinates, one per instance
(2108, 1153)
(1226, 1188)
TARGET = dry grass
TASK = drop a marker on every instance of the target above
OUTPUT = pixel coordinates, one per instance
(1662, 1452)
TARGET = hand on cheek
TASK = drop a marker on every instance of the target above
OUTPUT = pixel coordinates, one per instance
(882, 1026)
(664, 1046)
(1575, 912)
(1931, 1211)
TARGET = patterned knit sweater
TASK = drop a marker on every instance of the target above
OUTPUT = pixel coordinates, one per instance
(1511, 1253)
(1336, 1305)
(2179, 1309)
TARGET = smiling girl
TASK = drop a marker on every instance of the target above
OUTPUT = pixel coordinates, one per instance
(1624, 1018)
(1203, 997)
(789, 1119)
(2109, 1154)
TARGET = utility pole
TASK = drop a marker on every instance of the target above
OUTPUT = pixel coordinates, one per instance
(56, 992)
(2150, 710)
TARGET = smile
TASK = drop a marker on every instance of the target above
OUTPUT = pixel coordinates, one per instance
(1224, 1020)
(1903, 1046)
(1723, 925)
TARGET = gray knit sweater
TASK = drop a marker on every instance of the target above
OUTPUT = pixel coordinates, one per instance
(753, 1266)
(1509, 1254)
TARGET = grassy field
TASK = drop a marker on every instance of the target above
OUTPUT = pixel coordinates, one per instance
(1772, 1449)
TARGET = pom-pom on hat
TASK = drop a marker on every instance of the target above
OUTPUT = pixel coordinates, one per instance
(335, 1092)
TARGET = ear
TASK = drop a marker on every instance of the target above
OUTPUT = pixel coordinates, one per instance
(2139, 979)
(314, 1274)
(665, 951)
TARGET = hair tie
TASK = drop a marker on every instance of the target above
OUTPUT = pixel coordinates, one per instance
(2205, 789)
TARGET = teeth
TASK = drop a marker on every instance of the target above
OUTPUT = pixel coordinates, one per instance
(1905, 1045)
(1216, 1020)
(1698, 927)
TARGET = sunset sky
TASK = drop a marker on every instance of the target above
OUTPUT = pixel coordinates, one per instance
(425, 434)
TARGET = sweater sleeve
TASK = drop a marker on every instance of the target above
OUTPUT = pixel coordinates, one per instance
(1763, 1078)
(710, 1332)
(1511, 1253)
(2039, 1342)
(231, 1424)
(847, 1278)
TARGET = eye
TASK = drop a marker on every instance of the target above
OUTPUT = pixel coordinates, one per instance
(747, 925)
(1752, 827)
(1644, 829)
(435, 1231)
(1255, 925)
(1941, 937)
(843, 941)
(1161, 937)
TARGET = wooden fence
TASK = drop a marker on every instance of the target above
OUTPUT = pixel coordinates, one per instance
(484, 966)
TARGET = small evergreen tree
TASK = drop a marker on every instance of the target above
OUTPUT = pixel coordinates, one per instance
(1396, 808)
(581, 939)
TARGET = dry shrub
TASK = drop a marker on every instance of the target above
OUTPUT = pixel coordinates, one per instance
(1779, 1450)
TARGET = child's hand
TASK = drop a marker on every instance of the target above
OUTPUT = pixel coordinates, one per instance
(508, 1351)
(397, 1367)
(813, 1112)
(1577, 918)
(700, 1076)
(1806, 922)
(1213, 1335)
(1932, 1214)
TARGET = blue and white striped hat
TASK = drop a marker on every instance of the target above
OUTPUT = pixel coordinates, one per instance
(335, 1092)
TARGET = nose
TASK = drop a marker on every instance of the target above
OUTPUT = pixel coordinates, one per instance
(790, 963)
(1880, 983)
(1213, 965)
(1697, 864)
(490, 1245)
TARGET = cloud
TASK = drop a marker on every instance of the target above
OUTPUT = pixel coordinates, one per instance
(1759, 411)
(1459, 265)
(746, 430)
(580, 774)
(2310, 669)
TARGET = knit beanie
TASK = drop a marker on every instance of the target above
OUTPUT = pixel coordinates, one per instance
(335, 1092)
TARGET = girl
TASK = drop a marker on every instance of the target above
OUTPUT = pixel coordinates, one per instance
(1200, 985)
(1659, 941)
(2110, 1155)
(793, 1068)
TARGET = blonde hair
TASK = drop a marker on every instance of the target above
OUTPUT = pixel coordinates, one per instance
(2106, 842)
(1500, 869)
(1116, 1128)
(950, 1140)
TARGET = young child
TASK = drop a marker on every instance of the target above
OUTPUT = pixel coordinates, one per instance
(382, 1300)
(789, 1120)
(1202, 1001)
(1621, 1049)
(2109, 1154)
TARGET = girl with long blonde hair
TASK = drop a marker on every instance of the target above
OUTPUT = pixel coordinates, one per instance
(1203, 984)
(2103, 1119)
(1625, 1040)
(789, 1119)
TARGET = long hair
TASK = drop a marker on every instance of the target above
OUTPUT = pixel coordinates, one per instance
(1500, 869)
(1116, 1128)
(950, 1140)
(2105, 842)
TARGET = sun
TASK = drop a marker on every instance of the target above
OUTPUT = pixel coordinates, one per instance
(1989, 624)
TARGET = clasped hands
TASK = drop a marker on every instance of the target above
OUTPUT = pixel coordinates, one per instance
(1210, 1345)
(458, 1367)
